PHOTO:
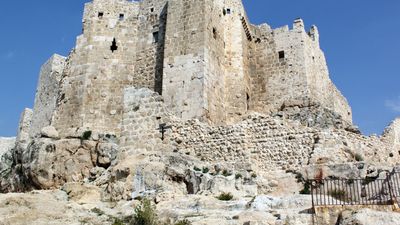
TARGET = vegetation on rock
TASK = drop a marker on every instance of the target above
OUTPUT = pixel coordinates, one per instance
(225, 197)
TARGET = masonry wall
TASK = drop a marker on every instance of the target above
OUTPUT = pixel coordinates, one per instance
(236, 46)
(95, 75)
(291, 71)
(143, 113)
(46, 94)
(184, 59)
(279, 79)
(214, 82)
(257, 141)
(150, 37)
(321, 87)
(204, 57)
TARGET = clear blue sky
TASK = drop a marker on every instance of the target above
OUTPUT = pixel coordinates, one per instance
(361, 40)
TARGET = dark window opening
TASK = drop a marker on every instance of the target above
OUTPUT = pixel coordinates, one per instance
(100, 15)
(214, 33)
(121, 16)
(114, 46)
(228, 11)
(281, 54)
(155, 37)
(152, 10)
(248, 101)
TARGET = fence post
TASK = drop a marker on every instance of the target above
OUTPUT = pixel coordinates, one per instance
(312, 194)
(388, 178)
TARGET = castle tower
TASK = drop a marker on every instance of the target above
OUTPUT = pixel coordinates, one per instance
(290, 73)
(204, 57)
(204, 67)
(119, 48)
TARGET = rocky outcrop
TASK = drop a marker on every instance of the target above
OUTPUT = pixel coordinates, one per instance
(369, 217)
(6, 159)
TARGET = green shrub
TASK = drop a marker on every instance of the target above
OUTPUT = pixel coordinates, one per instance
(145, 214)
(238, 176)
(369, 180)
(338, 194)
(196, 168)
(98, 211)
(226, 173)
(306, 189)
(254, 175)
(86, 135)
(225, 197)
(183, 222)
(358, 157)
(118, 222)
(206, 170)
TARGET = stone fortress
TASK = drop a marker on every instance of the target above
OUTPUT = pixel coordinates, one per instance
(204, 58)
(153, 78)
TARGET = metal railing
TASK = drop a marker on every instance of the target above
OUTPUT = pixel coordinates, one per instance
(369, 191)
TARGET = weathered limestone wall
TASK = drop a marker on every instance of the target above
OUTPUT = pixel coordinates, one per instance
(236, 44)
(391, 136)
(321, 87)
(150, 37)
(204, 57)
(258, 141)
(267, 143)
(270, 76)
(95, 75)
(184, 59)
(291, 71)
(47, 93)
(143, 113)
(214, 82)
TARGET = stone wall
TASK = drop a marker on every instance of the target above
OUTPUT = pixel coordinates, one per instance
(290, 71)
(99, 68)
(143, 113)
(258, 142)
(150, 37)
(184, 59)
(46, 94)
(320, 86)
(392, 133)
(205, 58)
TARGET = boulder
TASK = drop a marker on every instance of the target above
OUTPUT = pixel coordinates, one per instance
(49, 132)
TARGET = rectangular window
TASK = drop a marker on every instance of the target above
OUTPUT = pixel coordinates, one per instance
(121, 16)
(228, 11)
(281, 54)
(155, 37)
(100, 15)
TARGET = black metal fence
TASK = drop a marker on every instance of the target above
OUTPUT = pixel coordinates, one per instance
(369, 191)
